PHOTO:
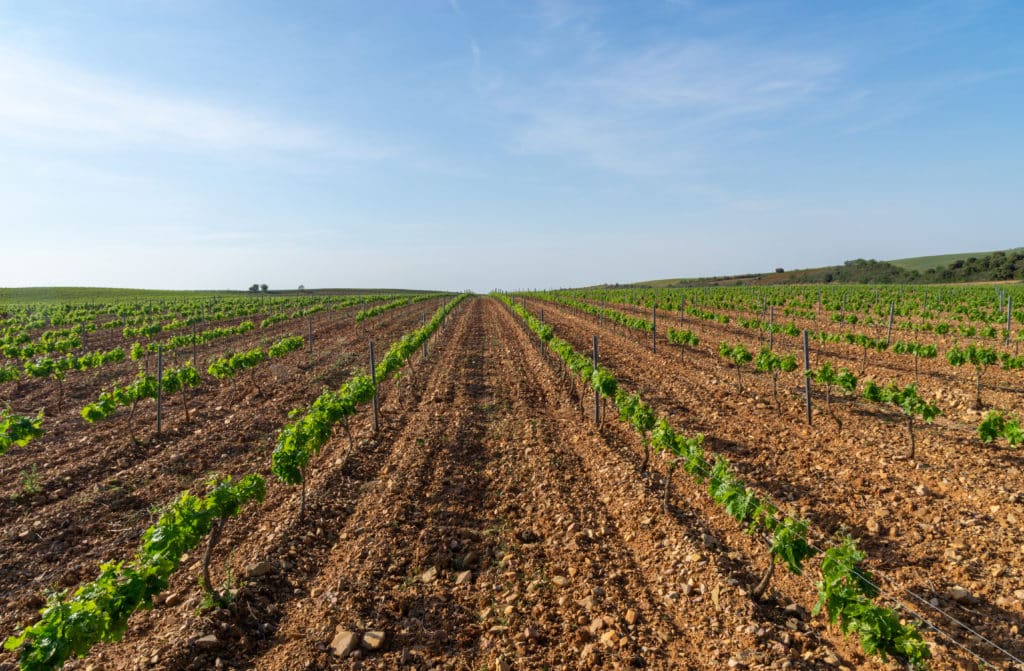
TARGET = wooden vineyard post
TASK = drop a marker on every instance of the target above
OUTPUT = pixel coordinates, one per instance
(1009, 317)
(81, 329)
(159, 387)
(597, 394)
(807, 378)
(888, 334)
(309, 332)
(373, 378)
(682, 306)
(195, 362)
(542, 315)
(654, 329)
(771, 327)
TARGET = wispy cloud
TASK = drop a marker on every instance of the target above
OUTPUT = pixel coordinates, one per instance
(643, 111)
(53, 104)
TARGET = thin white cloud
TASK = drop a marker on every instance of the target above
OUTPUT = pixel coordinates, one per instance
(656, 109)
(53, 104)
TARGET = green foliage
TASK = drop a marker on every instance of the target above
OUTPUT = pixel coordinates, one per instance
(286, 345)
(98, 611)
(179, 379)
(682, 337)
(829, 376)
(736, 354)
(845, 593)
(916, 349)
(635, 412)
(380, 309)
(770, 362)
(604, 383)
(790, 546)
(976, 355)
(997, 425)
(18, 429)
(1006, 362)
(144, 386)
(906, 399)
(227, 367)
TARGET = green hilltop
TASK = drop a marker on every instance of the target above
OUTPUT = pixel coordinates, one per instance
(998, 266)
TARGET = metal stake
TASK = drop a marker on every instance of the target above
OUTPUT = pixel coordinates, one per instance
(373, 378)
(807, 379)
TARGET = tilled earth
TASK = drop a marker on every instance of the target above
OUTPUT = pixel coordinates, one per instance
(490, 524)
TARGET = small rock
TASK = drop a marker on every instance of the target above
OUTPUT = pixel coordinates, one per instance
(586, 602)
(961, 595)
(344, 642)
(559, 581)
(208, 642)
(258, 569)
(430, 575)
(172, 600)
(528, 536)
(610, 638)
(372, 640)
(463, 577)
(796, 610)
(630, 617)
(501, 665)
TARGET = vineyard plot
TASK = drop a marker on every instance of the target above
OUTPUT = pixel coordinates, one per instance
(941, 526)
(487, 523)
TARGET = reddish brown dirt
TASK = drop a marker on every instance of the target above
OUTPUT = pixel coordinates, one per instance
(950, 518)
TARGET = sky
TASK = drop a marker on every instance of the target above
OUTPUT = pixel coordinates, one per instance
(453, 144)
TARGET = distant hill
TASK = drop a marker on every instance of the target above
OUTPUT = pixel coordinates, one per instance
(923, 263)
(999, 266)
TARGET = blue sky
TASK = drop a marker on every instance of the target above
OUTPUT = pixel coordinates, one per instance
(456, 144)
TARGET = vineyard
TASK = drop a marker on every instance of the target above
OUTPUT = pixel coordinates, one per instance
(786, 477)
